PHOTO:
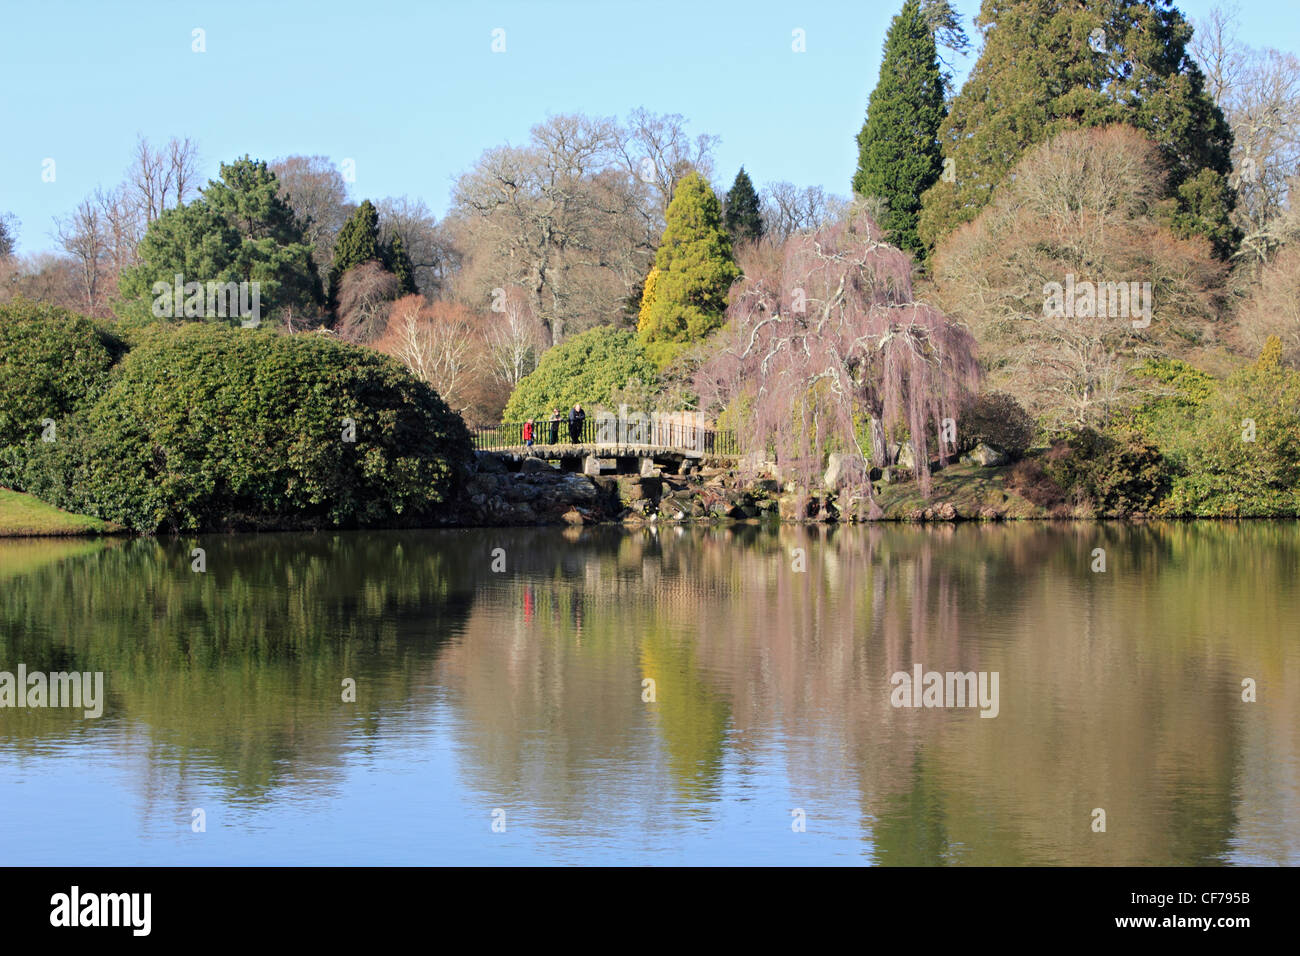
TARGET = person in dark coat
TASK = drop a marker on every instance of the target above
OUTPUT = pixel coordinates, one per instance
(576, 417)
(555, 426)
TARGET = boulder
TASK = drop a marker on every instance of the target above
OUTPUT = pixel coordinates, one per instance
(535, 466)
(905, 457)
(988, 456)
(591, 465)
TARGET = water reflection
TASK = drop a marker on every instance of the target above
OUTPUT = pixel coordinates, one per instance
(526, 690)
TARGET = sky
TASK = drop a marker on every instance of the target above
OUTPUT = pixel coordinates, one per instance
(412, 92)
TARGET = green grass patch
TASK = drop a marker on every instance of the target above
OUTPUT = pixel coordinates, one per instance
(22, 516)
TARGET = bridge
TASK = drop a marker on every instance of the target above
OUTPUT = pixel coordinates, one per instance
(608, 448)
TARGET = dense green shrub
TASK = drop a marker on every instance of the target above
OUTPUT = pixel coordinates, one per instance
(212, 427)
(52, 361)
(588, 368)
(997, 419)
(1116, 474)
(1237, 454)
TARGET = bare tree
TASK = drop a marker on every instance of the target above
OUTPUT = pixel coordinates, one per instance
(425, 243)
(84, 235)
(788, 210)
(514, 340)
(162, 178)
(559, 218)
(316, 191)
(658, 152)
(436, 342)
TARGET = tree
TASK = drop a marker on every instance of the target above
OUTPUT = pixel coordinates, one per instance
(358, 240)
(787, 209)
(159, 176)
(84, 236)
(1079, 218)
(588, 368)
(316, 191)
(572, 216)
(432, 258)
(826, 349)
(238, 230)
(399, 263)
(695, 271)
(8, 235)
(898, 145)
(1272, 307)
(365, 293)
(742, 215)
(435, 341)
(1045, 68)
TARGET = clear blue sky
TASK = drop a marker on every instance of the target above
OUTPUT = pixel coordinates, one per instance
(412, 92)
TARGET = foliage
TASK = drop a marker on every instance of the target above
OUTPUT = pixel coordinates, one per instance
(997, 419)
(239, 230)
(358, 241)
(52, 362)
(209, 427)
(1048, 67)
(1115, 474)
(695, 268)
(1080, 215)
(1237, 452)
(898, 145)
(825, 328)
(742, 215)
(587, 368)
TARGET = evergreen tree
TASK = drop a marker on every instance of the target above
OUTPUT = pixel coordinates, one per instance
(358, 240)
(898, 145)
(239, 229)
(694, 271)
(742, 217)
(1046, 67)
(399, 264)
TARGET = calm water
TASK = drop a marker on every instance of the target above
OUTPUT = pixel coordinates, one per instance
(518, 697)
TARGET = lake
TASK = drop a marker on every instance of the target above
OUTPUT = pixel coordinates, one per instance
(674, 695)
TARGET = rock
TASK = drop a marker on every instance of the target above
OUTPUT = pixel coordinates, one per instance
(834, 470)
(486, 462)
(591, 465)
(988, 456)
(766, 486)
(536, 466)
(990, 514)
(648, 469)
(905, 457)
(945, 512)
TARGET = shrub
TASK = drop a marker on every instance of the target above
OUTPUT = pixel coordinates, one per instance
(1117, 474)
(588, 368)
(1238, 453)
(997, 419)
(212, 427)
(52, 361)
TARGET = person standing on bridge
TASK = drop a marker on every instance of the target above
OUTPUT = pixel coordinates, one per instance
(528, 433)
(576, 417)
(556, 418)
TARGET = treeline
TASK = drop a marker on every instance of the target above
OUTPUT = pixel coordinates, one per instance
(1104, 203)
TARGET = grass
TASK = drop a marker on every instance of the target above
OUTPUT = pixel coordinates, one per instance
(22, 516)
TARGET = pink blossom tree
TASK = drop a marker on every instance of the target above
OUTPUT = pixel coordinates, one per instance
(827, 350)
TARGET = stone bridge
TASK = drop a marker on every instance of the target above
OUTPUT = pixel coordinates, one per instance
(593, 458)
